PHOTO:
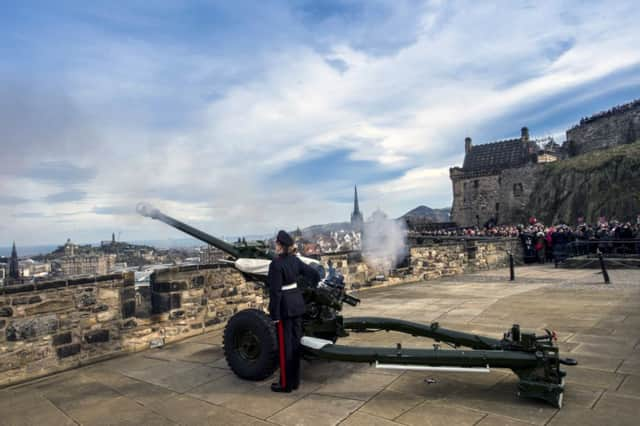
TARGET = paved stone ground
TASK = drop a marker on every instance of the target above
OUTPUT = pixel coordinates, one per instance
(189, 383)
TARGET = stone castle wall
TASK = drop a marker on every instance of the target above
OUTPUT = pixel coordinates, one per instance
(457, 257)
(502, 196)
(474, 198)
(607, 130)
(57, 325)
(185, 301)
(516, 187)
(447, 257)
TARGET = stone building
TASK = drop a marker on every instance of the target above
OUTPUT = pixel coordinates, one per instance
(494, 182)
(617, 126)
(210, 254)
(87, 264)
(33, 269)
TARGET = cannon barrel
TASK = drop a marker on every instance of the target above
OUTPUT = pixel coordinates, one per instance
(152, 212)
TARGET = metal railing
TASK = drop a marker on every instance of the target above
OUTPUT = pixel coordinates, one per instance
(608, 248)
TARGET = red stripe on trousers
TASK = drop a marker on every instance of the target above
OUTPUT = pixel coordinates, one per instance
(283, 375)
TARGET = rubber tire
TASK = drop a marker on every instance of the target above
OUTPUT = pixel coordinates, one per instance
(262, 327)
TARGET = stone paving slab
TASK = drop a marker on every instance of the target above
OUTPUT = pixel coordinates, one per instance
(359, 386)
(316, 410)
(494, 420)
(440, 413)
(186, 410)
(23, 407)
(390, 404)
(189, 382)
(364, 419)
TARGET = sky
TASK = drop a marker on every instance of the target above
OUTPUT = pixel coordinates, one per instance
(245, 117)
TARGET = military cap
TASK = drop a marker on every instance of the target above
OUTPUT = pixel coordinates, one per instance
(284, 238)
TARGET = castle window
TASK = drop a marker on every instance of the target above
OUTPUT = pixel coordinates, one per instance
(476, 183)
(517, 189)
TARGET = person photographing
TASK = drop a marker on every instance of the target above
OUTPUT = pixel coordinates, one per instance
(286, 307)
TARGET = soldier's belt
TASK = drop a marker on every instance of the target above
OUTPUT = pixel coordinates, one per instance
(290, 286)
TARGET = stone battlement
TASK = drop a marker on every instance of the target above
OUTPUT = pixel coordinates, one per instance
(619, 109)
(617, 126)
(57, 325)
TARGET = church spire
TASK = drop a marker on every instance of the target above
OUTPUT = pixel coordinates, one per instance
(356, 216)
(14, 270)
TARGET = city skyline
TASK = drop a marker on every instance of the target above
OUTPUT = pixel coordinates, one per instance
(244, 119)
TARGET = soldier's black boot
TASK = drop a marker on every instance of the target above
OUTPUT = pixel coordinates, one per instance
(276, 387)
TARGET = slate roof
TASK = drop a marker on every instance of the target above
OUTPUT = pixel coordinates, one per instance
(497, 155)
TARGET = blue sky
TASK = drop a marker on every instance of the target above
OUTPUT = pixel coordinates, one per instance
(243, 117)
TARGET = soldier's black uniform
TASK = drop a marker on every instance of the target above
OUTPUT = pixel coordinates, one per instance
(287, 305)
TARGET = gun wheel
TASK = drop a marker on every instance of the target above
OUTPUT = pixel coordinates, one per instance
(251, 345)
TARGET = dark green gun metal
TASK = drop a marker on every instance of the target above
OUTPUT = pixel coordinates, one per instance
(236, 251)
(251, 344)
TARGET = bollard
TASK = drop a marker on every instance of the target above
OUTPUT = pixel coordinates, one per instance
(511, 271)
(605, 274)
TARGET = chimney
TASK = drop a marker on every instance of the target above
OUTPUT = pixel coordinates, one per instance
(467, 144)
(524, 134)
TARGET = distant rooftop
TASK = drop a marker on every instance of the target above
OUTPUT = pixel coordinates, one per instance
(498, 155)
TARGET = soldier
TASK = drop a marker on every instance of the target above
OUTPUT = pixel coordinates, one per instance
(286, 307)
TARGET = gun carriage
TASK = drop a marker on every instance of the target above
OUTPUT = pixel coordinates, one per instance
(251, 344)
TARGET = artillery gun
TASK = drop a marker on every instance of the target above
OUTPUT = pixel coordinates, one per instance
(251, 344)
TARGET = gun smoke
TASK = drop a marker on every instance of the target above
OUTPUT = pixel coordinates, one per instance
(384, 243)
(147, 210)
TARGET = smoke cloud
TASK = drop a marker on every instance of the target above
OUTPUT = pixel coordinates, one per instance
(147, 210)
(384, 243)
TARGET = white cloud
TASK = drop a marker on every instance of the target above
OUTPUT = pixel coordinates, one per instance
(201, 131)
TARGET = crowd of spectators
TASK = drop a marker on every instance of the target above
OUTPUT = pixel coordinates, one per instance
(554, 243)
(487, 231)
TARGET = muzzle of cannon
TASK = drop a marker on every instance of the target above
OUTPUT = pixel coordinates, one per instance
(152, 212)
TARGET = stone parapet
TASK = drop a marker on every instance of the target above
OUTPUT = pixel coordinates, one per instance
(447, 257)
(619, 126)
(53, 326)
(185, 301)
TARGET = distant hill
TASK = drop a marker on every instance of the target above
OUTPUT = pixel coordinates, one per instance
(326, 228)
(420, 213)
(428, 214)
